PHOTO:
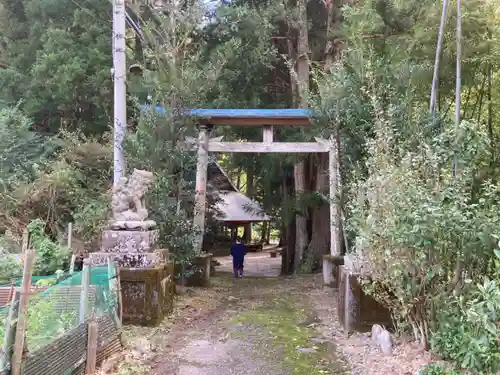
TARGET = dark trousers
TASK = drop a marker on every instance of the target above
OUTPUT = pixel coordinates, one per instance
(238, 269)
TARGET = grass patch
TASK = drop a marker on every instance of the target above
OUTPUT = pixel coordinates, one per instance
(289, 329)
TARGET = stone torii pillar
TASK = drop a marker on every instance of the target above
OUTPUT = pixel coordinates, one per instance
(332, 261)
(201, 186)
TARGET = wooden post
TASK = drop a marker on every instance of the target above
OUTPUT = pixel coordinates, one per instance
(25, 241)
(201, 186)
(327, 271)
(119, 295)
(84, 296)
(267, 135)
(10, 330)
(334, 177)
(111, 274)
(93, 334)
(22, 319)
(73, 255)
(12, 290)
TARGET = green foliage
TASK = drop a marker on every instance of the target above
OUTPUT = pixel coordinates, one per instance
(469, 333)
(240, 36)
(21, 149)
(437, 370)
(11, 268)
(413, 221)
(71, 185)
(50, 256)
(58, 54)
(166, 196)
(44, 323)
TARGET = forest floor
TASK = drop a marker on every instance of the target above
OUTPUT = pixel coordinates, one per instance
(262, 324)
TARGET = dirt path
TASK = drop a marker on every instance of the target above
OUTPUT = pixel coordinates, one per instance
(260, 325)
(251, 326)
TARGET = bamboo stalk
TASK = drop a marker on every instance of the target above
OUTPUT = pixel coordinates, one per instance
(439, 47)
(458, 82)
(22, 320)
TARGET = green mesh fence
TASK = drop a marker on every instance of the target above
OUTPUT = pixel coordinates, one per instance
(38, 280)
(34, 280)
(60, 309)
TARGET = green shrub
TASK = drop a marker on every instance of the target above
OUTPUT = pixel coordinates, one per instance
(469, 330)
(11, 267)
(437, 370)
(50, 256)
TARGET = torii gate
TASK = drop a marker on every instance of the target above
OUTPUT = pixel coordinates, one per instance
(267, 119)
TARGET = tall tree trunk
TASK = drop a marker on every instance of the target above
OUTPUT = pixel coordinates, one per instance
(288, 228)
(301, 232)
(302, 67)
(321, 223)
(320, 239)
(238, 178)
(287, 261)
(247, 232)
(265, 229)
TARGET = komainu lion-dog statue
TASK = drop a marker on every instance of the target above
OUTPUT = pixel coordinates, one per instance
(127, 203)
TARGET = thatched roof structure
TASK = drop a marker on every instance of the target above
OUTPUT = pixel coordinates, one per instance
(232, 206)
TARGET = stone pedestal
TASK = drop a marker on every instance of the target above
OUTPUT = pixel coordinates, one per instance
(129, 241)
(131, 260)
(200, 271)
(130, 248)
(331, 265)
(357, 310)
(147, 294)
(327, 271)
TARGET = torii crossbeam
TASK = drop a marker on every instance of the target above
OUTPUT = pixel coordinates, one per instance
(266, 118)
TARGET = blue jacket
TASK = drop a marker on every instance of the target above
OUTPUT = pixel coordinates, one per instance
(238, 251)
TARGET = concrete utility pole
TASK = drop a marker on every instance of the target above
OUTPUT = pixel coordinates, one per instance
(201, 187)
(120, 89)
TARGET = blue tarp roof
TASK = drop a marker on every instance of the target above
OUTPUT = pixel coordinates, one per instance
(291, 113)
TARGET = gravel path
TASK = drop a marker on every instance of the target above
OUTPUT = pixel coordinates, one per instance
(250, 326)
(262, 324)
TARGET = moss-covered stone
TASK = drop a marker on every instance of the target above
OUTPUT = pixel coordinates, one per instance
(198, 272)
(147, 294)
(357, 310)
(291, 332)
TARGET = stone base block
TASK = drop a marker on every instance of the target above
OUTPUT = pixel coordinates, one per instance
(130, 260)
(327, 272)
(132, 225)
(199, 272)
(357, 310)
(129, 241)
(147, 294)
(331, 265)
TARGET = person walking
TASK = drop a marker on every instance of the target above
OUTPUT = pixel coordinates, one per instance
(238, 251)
